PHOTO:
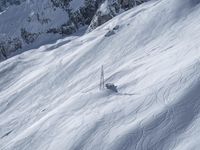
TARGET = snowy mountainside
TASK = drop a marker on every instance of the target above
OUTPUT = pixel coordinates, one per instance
(50, 98)
(28, 24)
(109, 9)
(36, 22)
(6, 3)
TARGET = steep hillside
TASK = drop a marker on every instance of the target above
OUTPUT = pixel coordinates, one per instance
(33, 23)
(26, 24)
(50, 97)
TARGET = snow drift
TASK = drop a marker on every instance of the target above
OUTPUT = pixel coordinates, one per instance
(49, 97)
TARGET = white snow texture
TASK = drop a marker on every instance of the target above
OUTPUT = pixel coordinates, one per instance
(50, 98)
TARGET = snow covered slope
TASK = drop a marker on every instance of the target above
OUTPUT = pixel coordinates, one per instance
(49, 97)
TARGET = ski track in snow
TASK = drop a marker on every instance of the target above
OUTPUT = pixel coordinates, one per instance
(49, 97)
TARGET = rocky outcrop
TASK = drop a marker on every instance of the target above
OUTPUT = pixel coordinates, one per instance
(28, 37)
(9, 46)
(109, 9)
(65, 29)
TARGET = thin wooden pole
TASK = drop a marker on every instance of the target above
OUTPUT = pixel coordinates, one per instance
(102, 78)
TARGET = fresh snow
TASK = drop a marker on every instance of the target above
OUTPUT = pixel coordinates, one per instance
(50, 98)
(104, 8)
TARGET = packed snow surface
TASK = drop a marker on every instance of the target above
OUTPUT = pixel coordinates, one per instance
(50, 98)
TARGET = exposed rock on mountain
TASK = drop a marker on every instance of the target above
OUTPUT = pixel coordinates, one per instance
(26, 24)
(110, 8)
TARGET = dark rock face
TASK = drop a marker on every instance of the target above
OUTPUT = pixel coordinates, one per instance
(8, 46)
(28, 37)
(65, 29)
(127, 4)
(61, 3)
(83, 15)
